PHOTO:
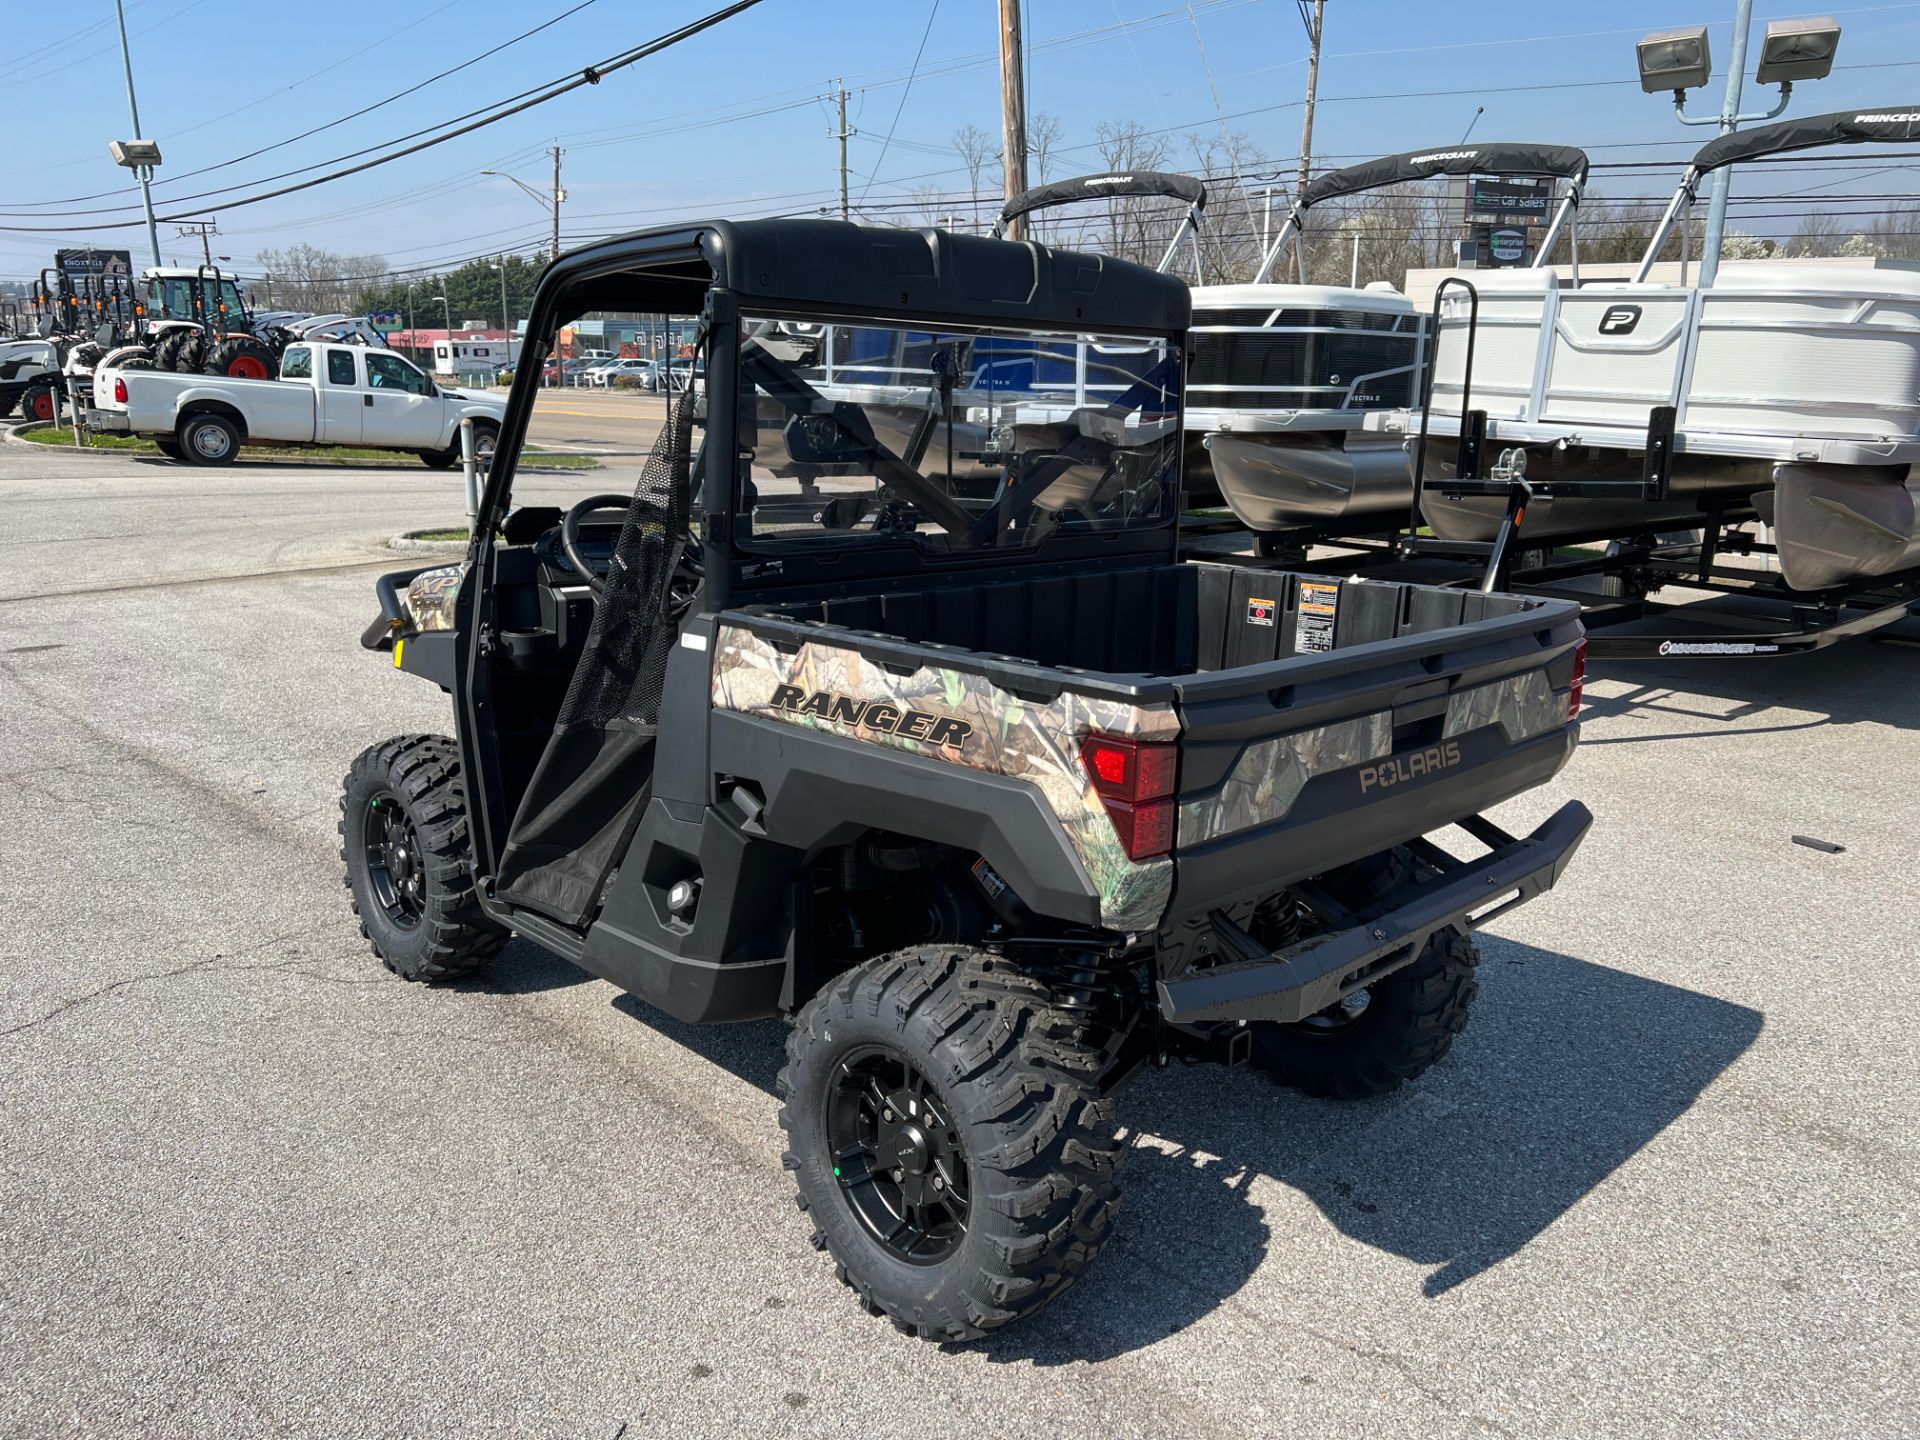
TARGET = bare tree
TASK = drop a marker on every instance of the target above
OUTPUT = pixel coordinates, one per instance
(1820, 233)
(1043, 138)
(1131, 224)
(976, 148)
(305, 278)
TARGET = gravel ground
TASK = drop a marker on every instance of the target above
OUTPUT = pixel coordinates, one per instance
(251, 1184)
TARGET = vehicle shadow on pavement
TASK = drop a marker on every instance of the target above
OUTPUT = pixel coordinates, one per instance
(1861, 681)
(524, 968)
(1567, 1071)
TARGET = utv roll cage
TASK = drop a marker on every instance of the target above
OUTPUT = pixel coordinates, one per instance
(1109, 185)
(1841, 127)
(1563, 161)
(804, 270)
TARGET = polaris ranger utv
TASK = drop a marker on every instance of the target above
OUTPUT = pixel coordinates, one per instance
(949, 757)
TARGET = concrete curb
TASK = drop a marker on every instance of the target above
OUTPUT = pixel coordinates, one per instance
(427, 547)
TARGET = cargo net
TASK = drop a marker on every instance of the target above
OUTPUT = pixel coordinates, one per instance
(623, 667)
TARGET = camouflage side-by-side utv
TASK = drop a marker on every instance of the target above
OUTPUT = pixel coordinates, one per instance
(882, 700)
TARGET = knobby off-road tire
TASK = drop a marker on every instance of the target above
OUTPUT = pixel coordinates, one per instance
(37, 403)
(166, 353)
(1007, 1101)
(1406, 1026)
(241, 357)
(415, 899)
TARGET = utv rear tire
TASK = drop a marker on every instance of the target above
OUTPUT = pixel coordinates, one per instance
(241, 357)
(1406, 1026)
(1017, 1152)
(416, 901)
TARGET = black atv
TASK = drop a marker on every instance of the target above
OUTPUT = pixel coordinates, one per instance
(884, 702)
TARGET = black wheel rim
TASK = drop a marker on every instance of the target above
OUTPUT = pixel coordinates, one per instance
(897, 1155)
(393, 861)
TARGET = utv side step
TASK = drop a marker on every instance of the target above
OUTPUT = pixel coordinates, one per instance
(1304, 979)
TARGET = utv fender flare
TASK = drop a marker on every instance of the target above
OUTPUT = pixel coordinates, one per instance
(824, 790)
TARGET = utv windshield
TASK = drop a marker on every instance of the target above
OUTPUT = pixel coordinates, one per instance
(867, 432)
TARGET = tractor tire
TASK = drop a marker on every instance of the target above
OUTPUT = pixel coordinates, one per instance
(949, 1139)
(408, 857)
(208, 439)
(1404, 1026)
(191, 357)
(241, 357)
(37, 403)
(166, 354)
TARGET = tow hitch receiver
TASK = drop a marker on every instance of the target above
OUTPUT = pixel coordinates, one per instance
(1367, 945)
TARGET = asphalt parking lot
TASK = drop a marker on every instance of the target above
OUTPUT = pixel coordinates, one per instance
(1668, 1184)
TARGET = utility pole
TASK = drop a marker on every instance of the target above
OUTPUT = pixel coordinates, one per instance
(506, 319)
(1316, 24)
(1013, 112)
(205, 229)
(558, 196)
(841, 135)
(145, 172)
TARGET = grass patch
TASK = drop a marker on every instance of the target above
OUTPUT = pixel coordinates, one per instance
(62, 435)
(458, 533)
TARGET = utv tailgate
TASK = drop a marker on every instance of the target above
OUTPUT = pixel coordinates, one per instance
(1434, 705)
(1289, 985)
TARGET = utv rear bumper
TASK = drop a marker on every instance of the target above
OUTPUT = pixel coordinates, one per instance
(1361, 947)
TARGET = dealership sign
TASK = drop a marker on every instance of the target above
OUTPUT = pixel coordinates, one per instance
(75, 264)
(1509, 202)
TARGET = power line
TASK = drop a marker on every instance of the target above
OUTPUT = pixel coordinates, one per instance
(905, 91)
(591, 75)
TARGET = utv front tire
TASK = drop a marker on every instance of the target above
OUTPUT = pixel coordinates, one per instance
(1403, 1026)
(409, 866)
(949, 1140)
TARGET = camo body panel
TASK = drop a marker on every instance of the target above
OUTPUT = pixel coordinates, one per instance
(430, 596)
(1523, 706)
(1269, 775)
(1039, 744)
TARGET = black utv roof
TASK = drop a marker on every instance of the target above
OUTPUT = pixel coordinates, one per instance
(864, 270)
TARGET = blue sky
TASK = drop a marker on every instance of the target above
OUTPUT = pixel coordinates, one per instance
(734, 121)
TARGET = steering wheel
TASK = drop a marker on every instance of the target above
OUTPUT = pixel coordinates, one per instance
(570, 534)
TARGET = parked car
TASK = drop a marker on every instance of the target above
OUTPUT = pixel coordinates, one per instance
(326, 395)
(605, 375)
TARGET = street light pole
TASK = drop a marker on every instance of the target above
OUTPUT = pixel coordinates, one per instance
(144, 172)
(1729, 122)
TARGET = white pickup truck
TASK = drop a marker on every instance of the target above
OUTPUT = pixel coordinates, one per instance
(326, 395)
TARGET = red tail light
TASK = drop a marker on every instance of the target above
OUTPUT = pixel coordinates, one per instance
(1134, 779)
(119, 391)
(1579, 679)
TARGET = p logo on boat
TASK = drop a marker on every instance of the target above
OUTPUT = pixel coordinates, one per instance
(1619, 319)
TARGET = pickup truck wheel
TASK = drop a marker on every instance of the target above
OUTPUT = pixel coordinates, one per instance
(484, 439)
(1378, 1038)
(949, 1140)
(208, 439)
(409, 865)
